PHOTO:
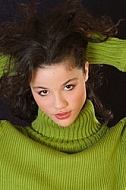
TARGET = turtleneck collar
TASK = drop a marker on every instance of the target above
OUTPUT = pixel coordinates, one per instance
(83, 132)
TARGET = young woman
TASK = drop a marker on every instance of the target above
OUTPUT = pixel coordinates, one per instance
(68, 145)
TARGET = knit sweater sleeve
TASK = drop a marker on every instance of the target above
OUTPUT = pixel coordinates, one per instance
(111, 52)
(3, 60)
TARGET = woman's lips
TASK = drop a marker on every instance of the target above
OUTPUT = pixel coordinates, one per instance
(63, 115)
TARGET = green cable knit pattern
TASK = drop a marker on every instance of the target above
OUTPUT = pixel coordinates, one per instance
(98, 162)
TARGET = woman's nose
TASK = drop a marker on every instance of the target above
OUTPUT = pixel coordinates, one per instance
(59, 102)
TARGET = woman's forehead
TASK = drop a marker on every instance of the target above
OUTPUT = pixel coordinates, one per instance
(68, 64)
(57, 71)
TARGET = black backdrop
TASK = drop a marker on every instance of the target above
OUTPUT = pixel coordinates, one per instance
(113, 91)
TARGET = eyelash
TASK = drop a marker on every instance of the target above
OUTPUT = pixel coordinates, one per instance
(40, 93)
(68, 87)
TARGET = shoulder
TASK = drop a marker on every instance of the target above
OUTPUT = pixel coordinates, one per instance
(120, 128)
(7, 127)
(4, 126)
(123, 123)
(4, 123)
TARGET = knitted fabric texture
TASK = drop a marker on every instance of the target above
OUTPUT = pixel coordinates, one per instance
(111, 52)
(93, 157)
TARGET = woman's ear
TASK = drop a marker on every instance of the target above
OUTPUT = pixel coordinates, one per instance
(86, 71)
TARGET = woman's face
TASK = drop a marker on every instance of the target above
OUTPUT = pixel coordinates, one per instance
(60, 91)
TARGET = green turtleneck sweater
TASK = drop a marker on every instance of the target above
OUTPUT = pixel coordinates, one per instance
(46, 156)
(83, 156)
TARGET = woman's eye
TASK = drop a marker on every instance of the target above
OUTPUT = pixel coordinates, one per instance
(69, 87)
(44, 92)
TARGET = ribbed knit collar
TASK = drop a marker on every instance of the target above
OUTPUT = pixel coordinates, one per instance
(81, 134)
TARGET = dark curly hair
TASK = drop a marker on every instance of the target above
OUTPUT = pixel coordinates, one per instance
(34, 40)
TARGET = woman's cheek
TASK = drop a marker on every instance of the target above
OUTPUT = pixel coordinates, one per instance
(44, 105)
(80, 96)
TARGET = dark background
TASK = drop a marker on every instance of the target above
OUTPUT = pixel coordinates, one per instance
(113, 91)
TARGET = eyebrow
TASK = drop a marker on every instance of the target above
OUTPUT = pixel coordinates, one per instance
(69, 81)
(42, 87)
